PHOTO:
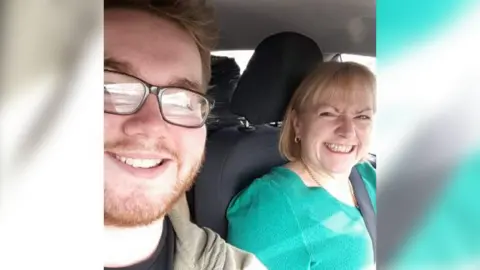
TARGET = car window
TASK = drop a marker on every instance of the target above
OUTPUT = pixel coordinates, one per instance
(241, 57)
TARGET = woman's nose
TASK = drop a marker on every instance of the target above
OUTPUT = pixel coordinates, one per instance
(346, 128)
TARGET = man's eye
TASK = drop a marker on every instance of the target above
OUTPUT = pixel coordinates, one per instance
(183, 105)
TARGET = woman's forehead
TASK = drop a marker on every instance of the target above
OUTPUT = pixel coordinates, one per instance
(341, 97)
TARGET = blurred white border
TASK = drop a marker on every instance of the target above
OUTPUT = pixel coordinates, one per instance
(51, 210)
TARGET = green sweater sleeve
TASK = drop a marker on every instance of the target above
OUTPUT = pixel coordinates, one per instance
(252, 217)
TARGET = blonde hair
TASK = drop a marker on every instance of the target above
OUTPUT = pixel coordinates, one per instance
(346, 79)
(194, 16)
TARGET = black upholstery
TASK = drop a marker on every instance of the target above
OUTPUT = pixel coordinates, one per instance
(225, 76)
(277, 67)
(235, 156)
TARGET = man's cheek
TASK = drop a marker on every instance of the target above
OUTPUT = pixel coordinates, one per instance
(196, 147)
(197, 138)
(112, 125)
(190, 144)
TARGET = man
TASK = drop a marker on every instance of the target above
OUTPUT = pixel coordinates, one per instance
(157, 67)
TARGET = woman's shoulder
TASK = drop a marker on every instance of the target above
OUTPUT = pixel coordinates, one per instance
(270, 186)
(368, 172)
(369, 176)
(273, 179)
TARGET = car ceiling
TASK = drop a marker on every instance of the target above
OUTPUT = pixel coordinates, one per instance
(338, 26)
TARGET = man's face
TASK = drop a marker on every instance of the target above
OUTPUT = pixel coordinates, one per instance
(162, 54)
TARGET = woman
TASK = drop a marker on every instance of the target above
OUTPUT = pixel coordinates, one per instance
(304, 215)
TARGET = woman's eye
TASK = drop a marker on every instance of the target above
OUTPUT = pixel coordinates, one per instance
(326, 114)
(363, 117)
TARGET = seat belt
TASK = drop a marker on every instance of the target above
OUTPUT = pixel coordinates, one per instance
(365, 205)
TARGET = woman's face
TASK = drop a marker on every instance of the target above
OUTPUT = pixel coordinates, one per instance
(335, 134)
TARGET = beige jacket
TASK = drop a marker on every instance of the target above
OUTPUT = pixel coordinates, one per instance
(202, 249)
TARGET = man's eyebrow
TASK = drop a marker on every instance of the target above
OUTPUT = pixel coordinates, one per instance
(123, 66)
(117, 65)
(186, 83)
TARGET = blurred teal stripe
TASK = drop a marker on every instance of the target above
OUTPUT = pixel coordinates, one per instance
(403, 23)
(450, 233)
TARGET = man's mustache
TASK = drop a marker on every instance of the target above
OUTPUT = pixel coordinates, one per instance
(139, 145)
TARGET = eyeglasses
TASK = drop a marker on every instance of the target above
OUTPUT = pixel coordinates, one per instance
(125, 95)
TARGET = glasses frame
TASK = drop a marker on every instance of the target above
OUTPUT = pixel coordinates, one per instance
(158, 91)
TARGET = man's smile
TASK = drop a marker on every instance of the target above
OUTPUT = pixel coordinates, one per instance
(149, 168)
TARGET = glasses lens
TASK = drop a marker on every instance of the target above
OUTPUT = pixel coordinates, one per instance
(184, 107)
(122, 94)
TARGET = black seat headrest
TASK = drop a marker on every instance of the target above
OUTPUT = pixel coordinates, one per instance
(276, 69)
(225, 75)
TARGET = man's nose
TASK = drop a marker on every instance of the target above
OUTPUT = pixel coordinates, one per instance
(346, 127)
(148, 121)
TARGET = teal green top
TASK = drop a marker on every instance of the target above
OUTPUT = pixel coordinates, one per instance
(288, 225)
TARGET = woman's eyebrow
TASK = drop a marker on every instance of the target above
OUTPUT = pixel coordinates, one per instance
(364, 110)
(327, 106)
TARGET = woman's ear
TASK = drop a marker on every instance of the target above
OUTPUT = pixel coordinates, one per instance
(296, 124)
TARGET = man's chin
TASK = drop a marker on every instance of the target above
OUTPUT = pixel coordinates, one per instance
(140, 213)
(141, 205)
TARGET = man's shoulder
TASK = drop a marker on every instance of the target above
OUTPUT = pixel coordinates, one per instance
(202, 248)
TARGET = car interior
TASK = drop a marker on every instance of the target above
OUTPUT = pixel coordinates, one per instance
(287, 39)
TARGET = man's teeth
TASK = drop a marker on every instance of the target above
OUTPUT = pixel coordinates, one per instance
(140, 163)
(340, 148)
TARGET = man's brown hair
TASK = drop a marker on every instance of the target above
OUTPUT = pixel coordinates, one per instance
(196, 17)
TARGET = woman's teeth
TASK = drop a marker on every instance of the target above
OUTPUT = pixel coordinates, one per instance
(339, 148)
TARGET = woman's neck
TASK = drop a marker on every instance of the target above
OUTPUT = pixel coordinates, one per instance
(338, 185)
(316, 173)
